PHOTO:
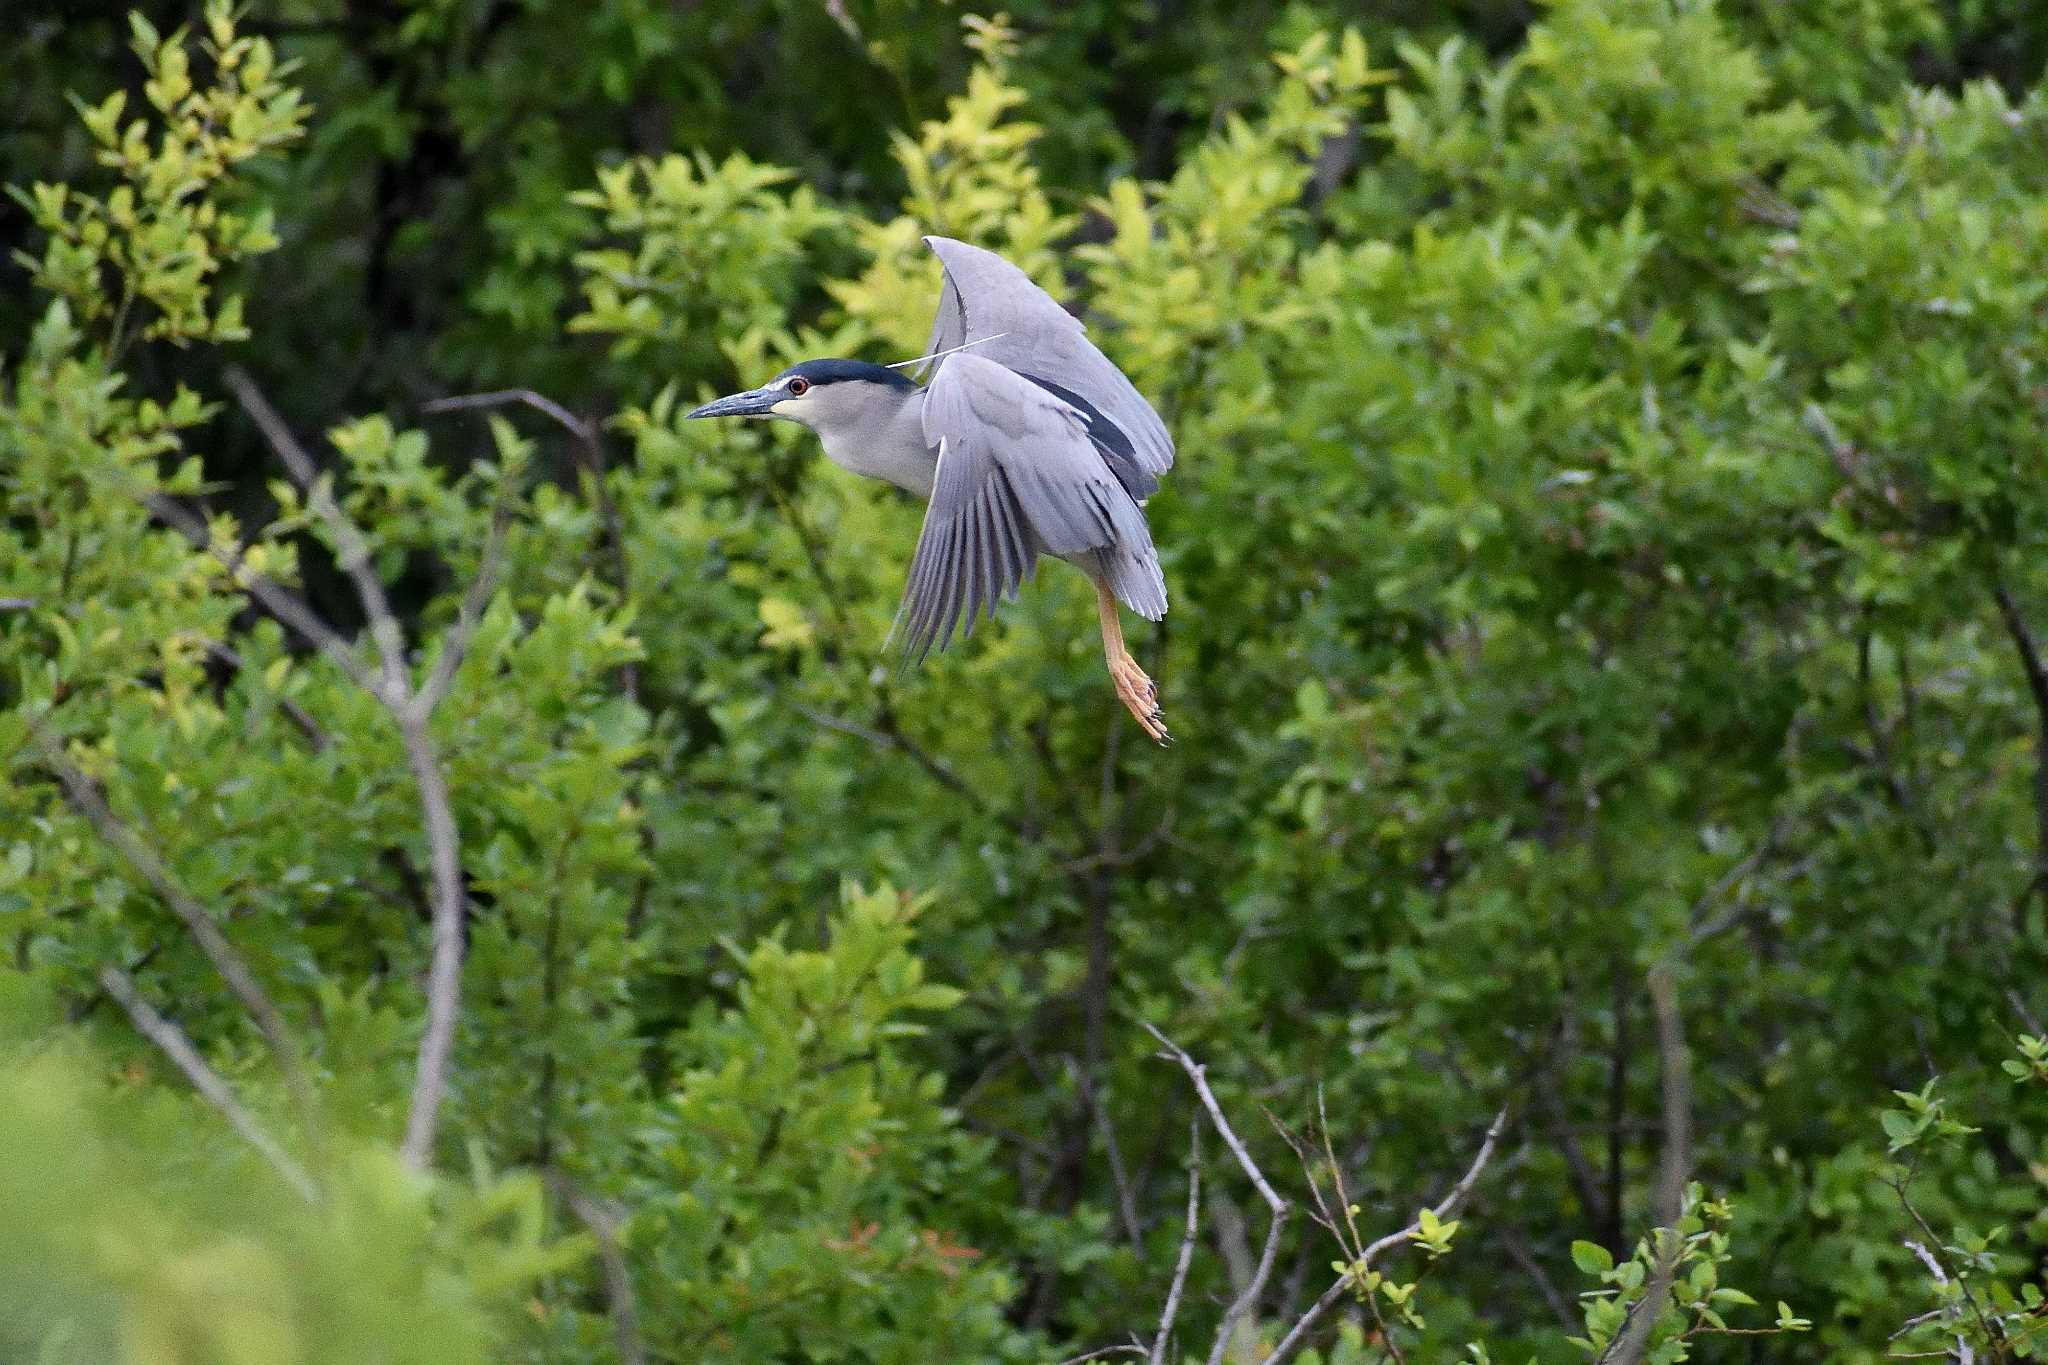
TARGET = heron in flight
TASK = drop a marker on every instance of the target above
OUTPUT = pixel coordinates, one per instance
(1025, 441)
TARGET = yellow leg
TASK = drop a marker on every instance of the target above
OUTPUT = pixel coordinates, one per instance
(1133, 688)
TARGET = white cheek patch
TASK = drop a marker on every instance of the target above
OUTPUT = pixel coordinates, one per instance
(792, 405)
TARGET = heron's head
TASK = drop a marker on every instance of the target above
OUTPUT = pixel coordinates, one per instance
(818, 393)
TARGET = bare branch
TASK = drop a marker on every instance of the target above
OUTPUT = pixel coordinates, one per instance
(1964, 1355)
(1199, 1075)
(349, 544)
(1524, 1257)
(890, 736)
(1126, 1200)
(411, 710)
(444, 979)
(1297, 1336)
(233, 970)
(1848, 463)
(2026, 1015)
(272, 597)
(499, 398)
(205, 1080)
(1105, 1352)
(590, 454)
(2037, 685)
(1703, 927)
(1248, 1299)
(455, 641)
(603, 1222)
(1187, 1244)
(1455, 1199)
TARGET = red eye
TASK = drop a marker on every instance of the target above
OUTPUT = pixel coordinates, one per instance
(799, 386)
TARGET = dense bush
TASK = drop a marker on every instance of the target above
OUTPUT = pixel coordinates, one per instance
(1607, 560)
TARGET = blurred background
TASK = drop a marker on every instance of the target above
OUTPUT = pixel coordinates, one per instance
(1606, 557)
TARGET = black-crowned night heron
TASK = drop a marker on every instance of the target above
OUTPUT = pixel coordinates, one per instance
(1026, 440)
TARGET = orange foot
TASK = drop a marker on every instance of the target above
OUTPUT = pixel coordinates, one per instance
(1139, 696)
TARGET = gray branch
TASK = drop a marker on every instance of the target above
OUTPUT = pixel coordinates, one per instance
(1297, 1336)
(1187, 1245)
(1632, 1345)
(241, 981)
(411, 710)
(1249, 1299)
(167, 1036)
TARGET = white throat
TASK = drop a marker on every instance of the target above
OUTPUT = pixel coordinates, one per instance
(871, 429)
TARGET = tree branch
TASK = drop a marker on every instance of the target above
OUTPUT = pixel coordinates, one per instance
(590, 456)
(1297, 1336)
(1187, 1244)
(411, 710)
(455, 640)
(603, 1223)
(2037, 684)
(1248, 1299)
(167, 1036)
(273, 598)
(499, 398)
(349, 544)
(241, 981)
(1632, 1345)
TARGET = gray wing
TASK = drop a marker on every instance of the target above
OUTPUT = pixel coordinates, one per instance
(985, 299)
(1018, 477)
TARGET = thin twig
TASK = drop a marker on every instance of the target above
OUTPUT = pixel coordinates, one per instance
(269, 594)
(1105, 1352)
(1126, 1199)
(1297, 1336)
(1703, 928)
(498, 398)
(455, 640)
(1199, 1075)
(2037, 685)
(1519, 1251)
(603, 1222)
(205, 932)
(1964, 1355)
(1187, 1244)
(172, 1041)
(891, 737)
(350, 546)
(590, 455)
(1455, 1199)
(1249, 1299)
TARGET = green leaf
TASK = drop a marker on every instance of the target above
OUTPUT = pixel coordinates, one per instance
(1592, 1258)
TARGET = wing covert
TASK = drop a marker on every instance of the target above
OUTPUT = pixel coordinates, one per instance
(986, 299)
(1019, 476)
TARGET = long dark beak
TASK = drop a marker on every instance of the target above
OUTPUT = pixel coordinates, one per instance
(752, 403)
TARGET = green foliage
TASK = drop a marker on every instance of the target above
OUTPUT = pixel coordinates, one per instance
(163, 234)
(136, 1234)
(798, 1171)
(1674, 1274)
(1605, 537)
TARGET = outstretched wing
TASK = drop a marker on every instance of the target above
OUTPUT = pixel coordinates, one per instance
(1019, 476)
(988, 301)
